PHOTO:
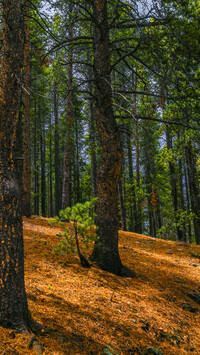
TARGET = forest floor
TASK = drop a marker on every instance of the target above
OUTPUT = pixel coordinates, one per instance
(90, 311)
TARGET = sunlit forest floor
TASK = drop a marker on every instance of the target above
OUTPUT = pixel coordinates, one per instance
(91, 311)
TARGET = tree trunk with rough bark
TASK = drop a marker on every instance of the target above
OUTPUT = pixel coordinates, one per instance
(14, 311)
(105, 252)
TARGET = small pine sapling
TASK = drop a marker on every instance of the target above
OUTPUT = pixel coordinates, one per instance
(82, 217)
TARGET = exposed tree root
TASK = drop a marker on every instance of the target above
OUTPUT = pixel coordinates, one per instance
(31, 329)
(34, 344)
(37, 328)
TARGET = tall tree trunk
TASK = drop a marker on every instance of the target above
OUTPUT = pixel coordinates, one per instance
(50, 183)
(182, 195)
(148, 183)
(194, 191)
(139, 203)
(173, 181)
(122, 205)
(66, 192)
(77, 188)
(139, 213)
(186, 175)
(105, 252)
(18, 150)
(35, 160)
(121, 185)
(42, 161)
(26, 207)
(14, 311)
(58, 182)
(93, 151)
(92, 136)
(131, 193)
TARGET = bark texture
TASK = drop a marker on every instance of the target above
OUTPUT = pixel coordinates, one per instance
(105, 252)
(14, 311)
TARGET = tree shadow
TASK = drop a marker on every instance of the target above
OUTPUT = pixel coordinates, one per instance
(127, 272)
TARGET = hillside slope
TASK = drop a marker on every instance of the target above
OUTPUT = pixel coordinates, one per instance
(91, 311)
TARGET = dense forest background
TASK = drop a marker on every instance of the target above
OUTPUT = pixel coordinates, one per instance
(154, 80)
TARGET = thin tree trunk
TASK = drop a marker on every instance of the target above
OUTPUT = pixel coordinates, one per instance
(92, 137)
(137, 154)
(173, 181)
(92, 133)
(78, 190)
(26, 209)
(186, 174)
(139, 203)
(122, 205)
(93, 151)
(42, 161)
(50, 187)
(194, 191)
(18, 150)
(182, 195)
(66, 192)
(148, 182)
(105, 252)
(36, 168)
(131, 193)
(58, 182)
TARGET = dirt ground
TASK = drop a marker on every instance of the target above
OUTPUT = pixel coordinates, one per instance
(90, 311)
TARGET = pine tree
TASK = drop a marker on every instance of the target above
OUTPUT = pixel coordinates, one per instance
(14, 312)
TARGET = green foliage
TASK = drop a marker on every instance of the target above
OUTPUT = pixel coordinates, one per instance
(168, 230)
(195, 255)
(52, 221)
(82, 218)
(109, 351)
(181, 219)
(184, 218)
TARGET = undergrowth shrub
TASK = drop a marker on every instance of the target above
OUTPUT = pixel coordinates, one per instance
(83, 228)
